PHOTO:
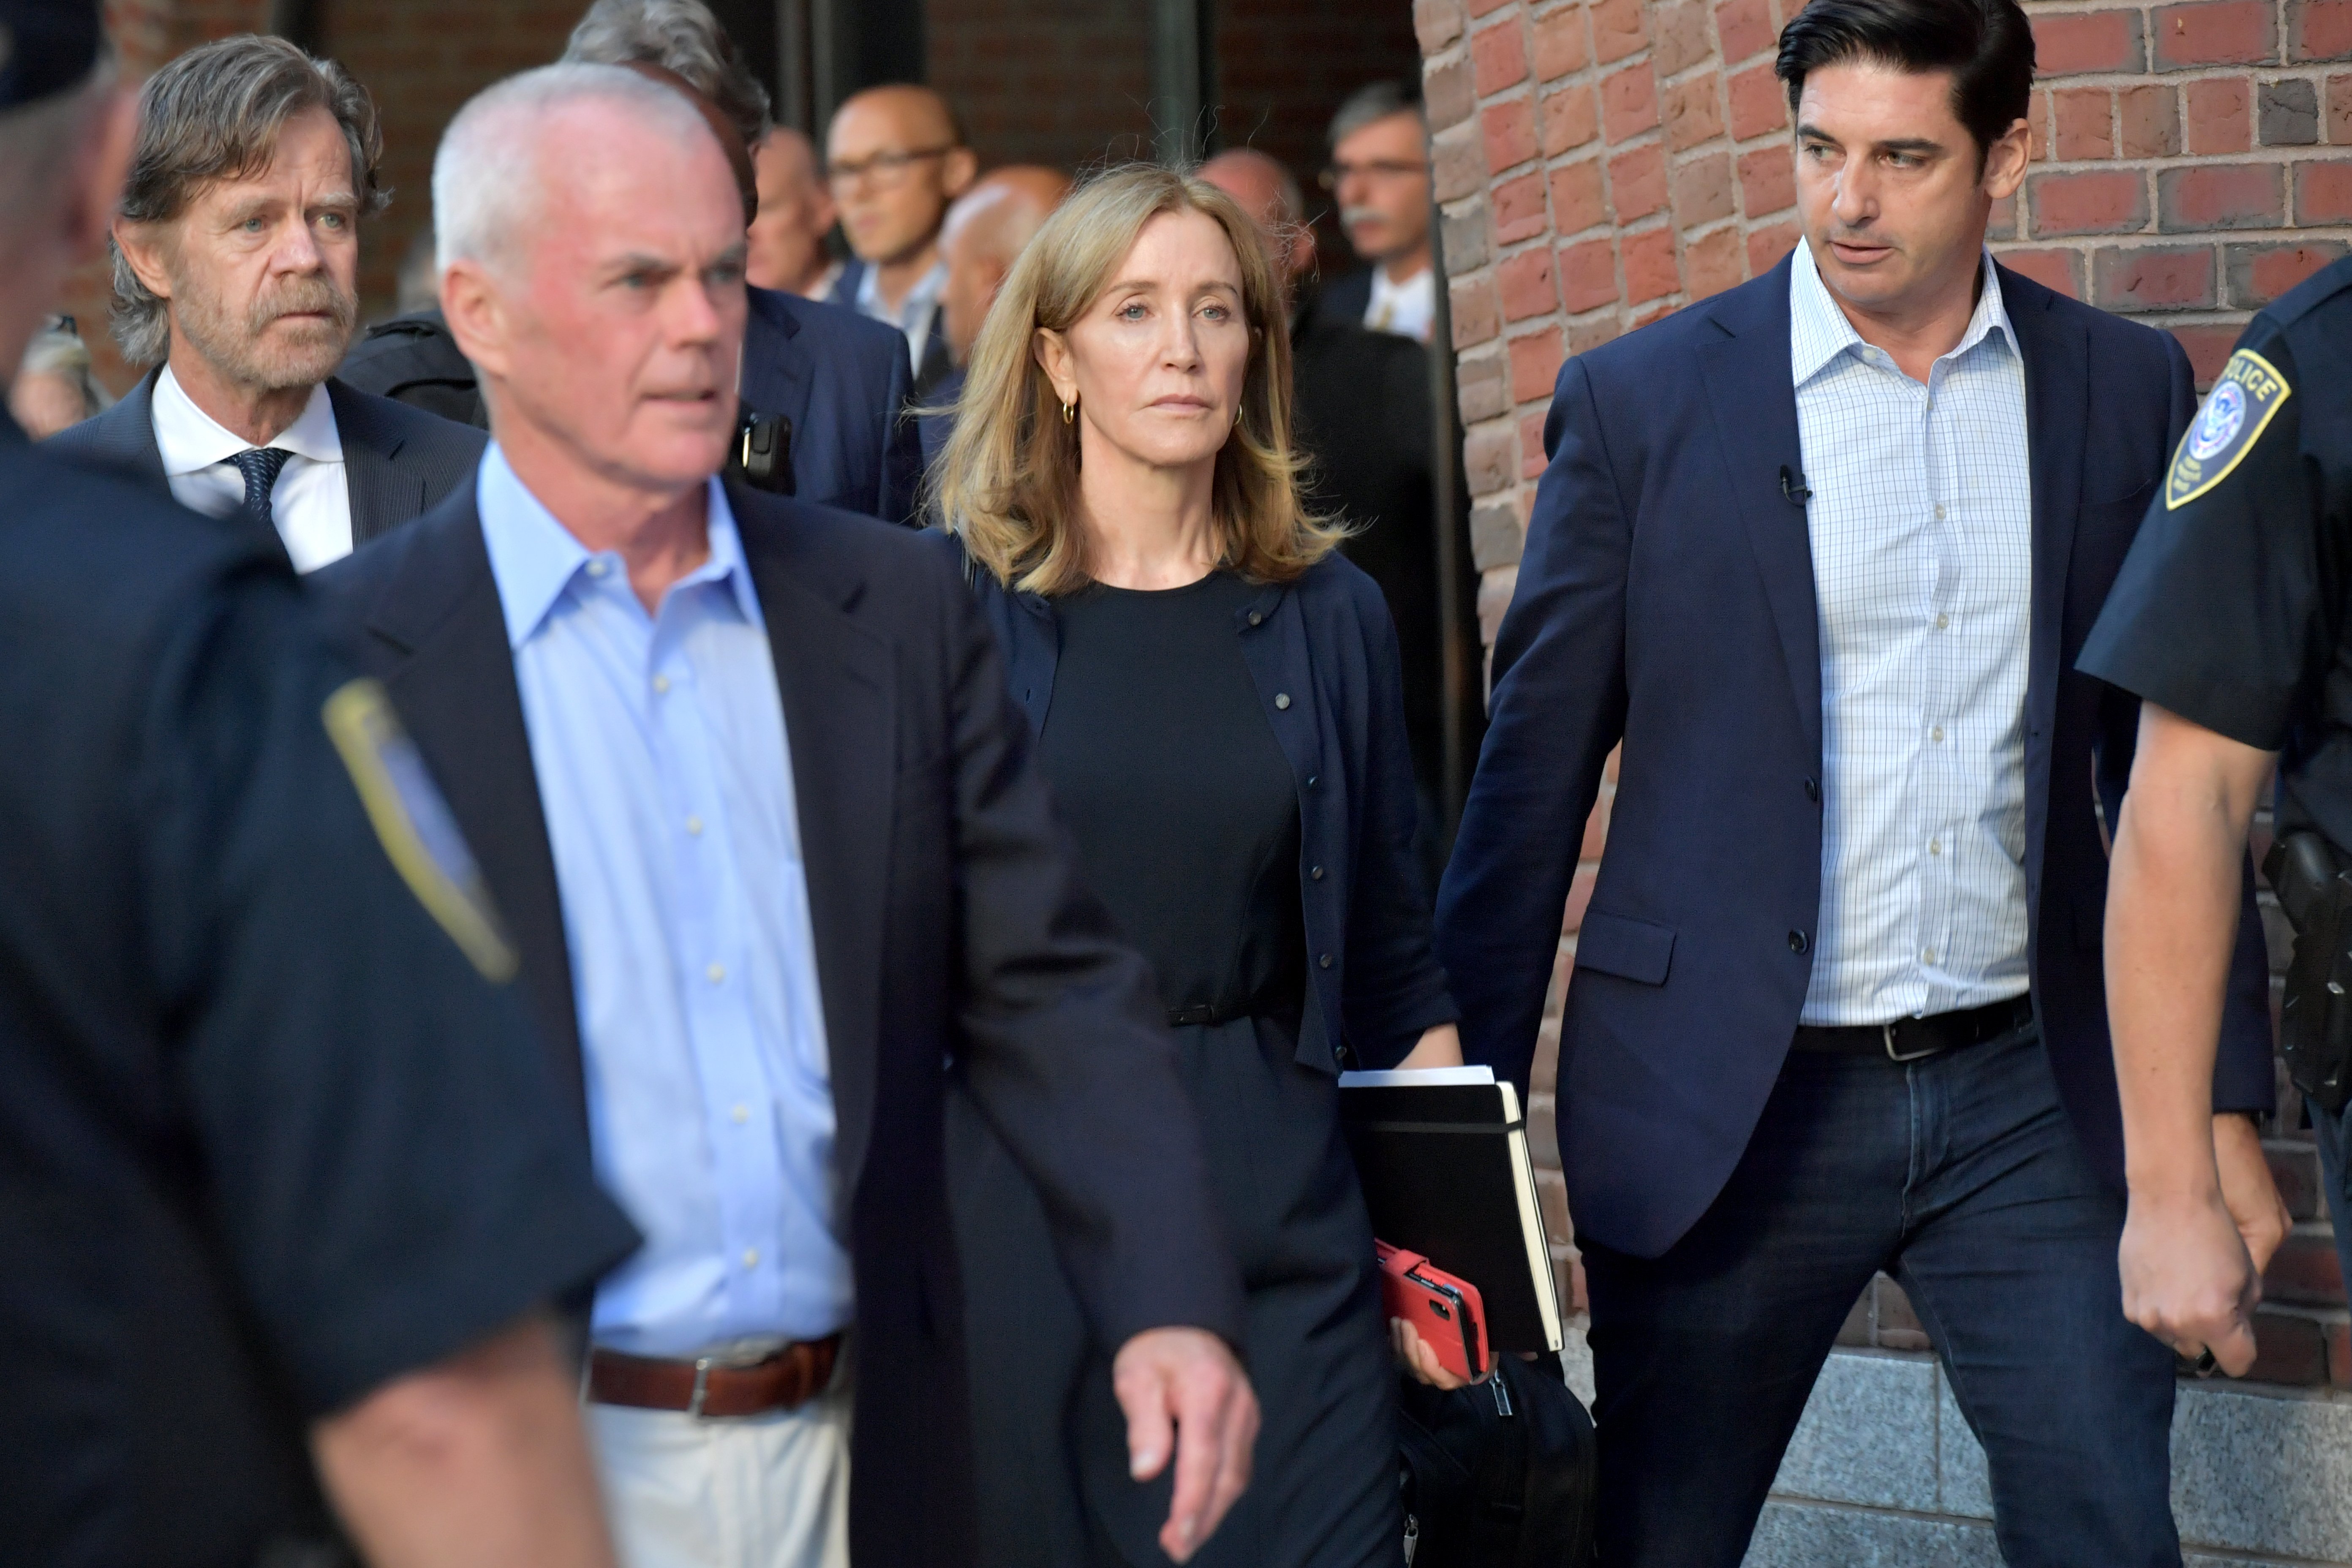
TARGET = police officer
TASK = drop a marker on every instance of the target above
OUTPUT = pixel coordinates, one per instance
(282, 1182)
(2228, 620)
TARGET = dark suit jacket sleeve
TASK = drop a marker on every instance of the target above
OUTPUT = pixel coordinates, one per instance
(2243, 1079)
(1064, 1050)
(902, 446)
(1559, 707)
(1395, 988)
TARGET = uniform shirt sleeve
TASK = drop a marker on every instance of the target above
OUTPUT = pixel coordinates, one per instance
(2223, 612)
(383, 1152)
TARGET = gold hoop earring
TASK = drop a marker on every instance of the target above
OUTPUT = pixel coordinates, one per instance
(1068, 413)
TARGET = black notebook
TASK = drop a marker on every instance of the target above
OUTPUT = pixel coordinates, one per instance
(1442, 1155)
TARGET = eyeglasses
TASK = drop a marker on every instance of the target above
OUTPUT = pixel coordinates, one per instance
(883, 168)
(1381, 169)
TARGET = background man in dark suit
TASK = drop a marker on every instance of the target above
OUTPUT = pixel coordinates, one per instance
(896, 158)
(843, 382)
(1837, 1002)
(1380, 176)
(727, 756)
(234, 257)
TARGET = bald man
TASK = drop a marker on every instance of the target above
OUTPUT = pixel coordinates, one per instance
(984, 233)
(895, 158)
(1270, 194)
(787, 237)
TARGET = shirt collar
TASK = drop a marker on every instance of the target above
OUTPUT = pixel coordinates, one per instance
(1409, 291)
(191, 440)
(1819, 330)
(920, 298)
(534, 558)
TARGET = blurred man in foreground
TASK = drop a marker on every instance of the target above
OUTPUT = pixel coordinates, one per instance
(733, 754)
(235, 265)
(55, 388)
(281, 1189)
(895, 158)
(796, 212)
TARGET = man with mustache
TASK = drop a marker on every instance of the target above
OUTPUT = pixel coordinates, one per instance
(235, 256)
(1380, 176)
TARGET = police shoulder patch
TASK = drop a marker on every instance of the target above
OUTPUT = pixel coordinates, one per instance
(2241, 404)
(415, 826)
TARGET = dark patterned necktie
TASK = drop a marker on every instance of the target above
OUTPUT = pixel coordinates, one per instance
(260, 466)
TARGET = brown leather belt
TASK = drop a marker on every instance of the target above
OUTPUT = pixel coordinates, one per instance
(788, 1379)
(1917, 1039)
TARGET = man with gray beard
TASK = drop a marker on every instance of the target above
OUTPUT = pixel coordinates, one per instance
(235, 252)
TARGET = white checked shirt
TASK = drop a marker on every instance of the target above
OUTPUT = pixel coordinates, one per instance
(1921, 523)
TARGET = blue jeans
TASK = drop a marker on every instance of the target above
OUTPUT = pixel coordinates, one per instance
(2335, 1134)
(1962, 1177)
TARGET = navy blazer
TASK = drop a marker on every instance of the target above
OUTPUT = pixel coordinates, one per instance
(948, 921)
(397, 460)
(935, 362)
(841, 379)
(1323, 656)
(1667, 600)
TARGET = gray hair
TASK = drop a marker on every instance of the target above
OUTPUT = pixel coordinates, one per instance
(58, 349)
(487, 182)
(215, 114)
(680, 36)
(1377, 101)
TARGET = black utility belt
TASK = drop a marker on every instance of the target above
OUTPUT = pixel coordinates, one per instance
(1917, 1039)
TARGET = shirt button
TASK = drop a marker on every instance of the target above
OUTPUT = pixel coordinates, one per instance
(661, 683)
(1928, 956)
(597, 568)
(716, 971)
(694, 826)
(741, 1114)
(1935, 847)
(750, 1257)
(1798, 941)
(1942, 622)
(1316, 872)
(1936, 734)
(1939, 512)
(1324, 961)
(1282, 699)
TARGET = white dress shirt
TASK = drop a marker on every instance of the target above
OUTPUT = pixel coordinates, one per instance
(311, 504)
(913, 316)
(1408, 309)
(1922, 533)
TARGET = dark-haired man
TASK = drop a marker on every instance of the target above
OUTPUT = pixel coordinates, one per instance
(235, 261)
(1819, 553)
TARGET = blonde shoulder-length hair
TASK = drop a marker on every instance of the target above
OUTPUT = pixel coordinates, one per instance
(1007, 483)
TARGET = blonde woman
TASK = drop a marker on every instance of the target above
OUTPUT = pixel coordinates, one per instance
(1215, 696)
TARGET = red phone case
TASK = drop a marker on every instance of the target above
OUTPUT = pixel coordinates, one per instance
(1443, 1309)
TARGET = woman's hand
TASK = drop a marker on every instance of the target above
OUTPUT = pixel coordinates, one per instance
(1437, 1047)
(1414, 1354)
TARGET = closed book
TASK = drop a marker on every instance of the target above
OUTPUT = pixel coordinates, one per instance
(1443, 1156)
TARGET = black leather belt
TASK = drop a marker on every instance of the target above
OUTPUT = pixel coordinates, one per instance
(1917, 1039)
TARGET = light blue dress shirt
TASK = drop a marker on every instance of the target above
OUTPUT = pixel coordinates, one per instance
(666, 776)
(1922, 529)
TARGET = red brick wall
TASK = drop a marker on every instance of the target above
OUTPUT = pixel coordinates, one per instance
(1063, 82)
(1601, 163)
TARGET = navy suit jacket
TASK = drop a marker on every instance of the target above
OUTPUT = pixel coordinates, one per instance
(948, 923)
(397, 460)
(1324, 646)
(841, 379)
(935, 362)
(1666, 601)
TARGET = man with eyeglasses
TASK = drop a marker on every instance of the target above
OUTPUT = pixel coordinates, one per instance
(1380, 176)
(895, 158)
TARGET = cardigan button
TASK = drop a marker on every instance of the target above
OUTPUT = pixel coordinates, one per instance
(1324, 961)
(1798, 941)
(1313, 779)
(1316, 872)
(1282, 699)
(1256, 619)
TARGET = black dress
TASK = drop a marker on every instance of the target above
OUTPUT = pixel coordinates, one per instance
(1186, 817)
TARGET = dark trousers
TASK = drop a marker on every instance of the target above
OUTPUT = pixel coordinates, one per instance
(2335, 1134)
(1961, 1176)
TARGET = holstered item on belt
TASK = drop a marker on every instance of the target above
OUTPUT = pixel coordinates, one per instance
(786, 1380)
(2315, 1022)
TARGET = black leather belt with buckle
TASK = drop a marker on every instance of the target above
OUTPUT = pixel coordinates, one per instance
(1917, 1039)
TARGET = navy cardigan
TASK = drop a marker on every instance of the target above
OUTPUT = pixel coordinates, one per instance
(1323, 653)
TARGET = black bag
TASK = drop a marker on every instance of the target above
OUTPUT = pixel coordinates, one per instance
(1497, 1475)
